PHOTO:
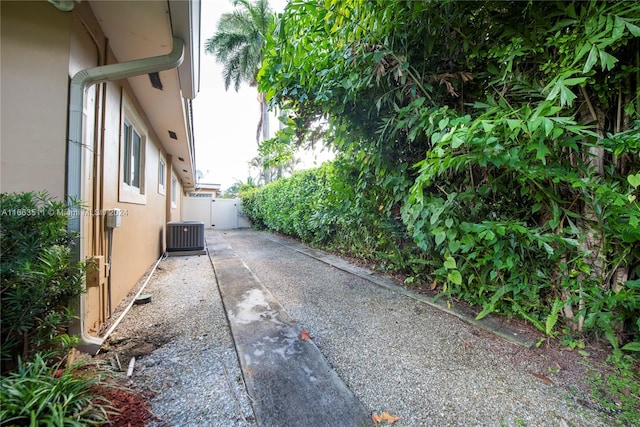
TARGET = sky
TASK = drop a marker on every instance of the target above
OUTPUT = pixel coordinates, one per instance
(225, 122)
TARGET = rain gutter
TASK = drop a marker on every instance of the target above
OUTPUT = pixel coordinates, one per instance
(79, 83)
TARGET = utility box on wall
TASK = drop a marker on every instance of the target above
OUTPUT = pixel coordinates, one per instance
(185, 238)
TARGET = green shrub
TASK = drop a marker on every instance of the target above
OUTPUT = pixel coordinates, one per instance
(40, 395)
(39, 277)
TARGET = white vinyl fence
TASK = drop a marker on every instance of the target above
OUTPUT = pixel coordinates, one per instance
(217, 214)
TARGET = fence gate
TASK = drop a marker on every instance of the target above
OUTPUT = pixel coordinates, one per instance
(217, 214)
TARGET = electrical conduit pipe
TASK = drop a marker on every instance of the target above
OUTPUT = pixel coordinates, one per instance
(79, 83)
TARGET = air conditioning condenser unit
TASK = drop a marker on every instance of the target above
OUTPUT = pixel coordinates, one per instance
(185, 238)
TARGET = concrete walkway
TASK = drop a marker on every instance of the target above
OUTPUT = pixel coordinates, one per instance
(287, 377)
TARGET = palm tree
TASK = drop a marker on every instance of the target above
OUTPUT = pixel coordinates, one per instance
(238, 45)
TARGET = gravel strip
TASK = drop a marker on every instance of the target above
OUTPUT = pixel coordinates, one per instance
(185, 356)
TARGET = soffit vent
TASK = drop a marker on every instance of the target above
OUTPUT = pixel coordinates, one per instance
(155, 80)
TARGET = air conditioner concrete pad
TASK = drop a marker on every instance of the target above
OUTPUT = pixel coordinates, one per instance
(187, 253)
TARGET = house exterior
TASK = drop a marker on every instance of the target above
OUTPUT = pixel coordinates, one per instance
(206, 190)
(96, 105)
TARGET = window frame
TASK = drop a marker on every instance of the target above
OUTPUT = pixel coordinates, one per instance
(162, 176)
(133, 140)
(174, 191)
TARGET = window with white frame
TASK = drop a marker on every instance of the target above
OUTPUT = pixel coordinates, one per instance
(132, 156)
(174, 192)
(162, 176)
(133, 141)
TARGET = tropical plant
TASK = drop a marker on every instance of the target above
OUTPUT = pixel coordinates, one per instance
(38, 276)
(507, 136)
(238, 45)
(37, 394)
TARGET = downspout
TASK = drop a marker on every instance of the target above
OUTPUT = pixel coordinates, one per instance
(79, 83)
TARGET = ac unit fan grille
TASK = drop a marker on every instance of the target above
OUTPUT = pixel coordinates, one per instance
(185, 236)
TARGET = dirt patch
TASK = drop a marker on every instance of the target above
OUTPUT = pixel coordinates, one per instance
(126, 348)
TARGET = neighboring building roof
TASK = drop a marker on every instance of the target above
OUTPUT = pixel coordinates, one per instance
(205, 186)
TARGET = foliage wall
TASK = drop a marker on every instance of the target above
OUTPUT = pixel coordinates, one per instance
(505, 135)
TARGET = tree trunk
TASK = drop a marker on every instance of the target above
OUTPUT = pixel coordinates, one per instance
(263, 124)
(592, 242)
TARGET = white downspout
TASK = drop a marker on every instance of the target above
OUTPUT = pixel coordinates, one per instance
(79, 83)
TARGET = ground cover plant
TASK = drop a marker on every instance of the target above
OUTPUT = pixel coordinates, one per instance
(39, 393)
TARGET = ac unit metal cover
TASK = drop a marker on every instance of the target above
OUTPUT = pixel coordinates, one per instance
(183, 236)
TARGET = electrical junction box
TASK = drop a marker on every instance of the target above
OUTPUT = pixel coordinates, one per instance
(113, 218)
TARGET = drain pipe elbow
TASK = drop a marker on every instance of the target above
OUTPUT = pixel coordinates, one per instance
(79, 83)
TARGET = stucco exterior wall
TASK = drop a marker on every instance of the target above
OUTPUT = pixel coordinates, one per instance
(139, 241)
(34, 79)
(42, 48)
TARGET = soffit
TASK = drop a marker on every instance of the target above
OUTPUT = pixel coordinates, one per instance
(141, 29)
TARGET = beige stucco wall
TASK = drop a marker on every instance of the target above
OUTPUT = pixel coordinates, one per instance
(35, 67)
(140, 240)
(42, 48)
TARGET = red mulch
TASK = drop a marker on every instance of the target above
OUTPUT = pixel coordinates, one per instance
(133, 410)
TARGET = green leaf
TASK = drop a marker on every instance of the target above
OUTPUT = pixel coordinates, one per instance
(632, 346)
(454, 245)
(487, 126)
(514, 124)
(542, 152)
(455, 277)
(566, 95)
(574, 81)
(618, 28)
(440, 237)
(591, 60)
(633, 283)
(548, 126)
(488, 309)
(633, 29)
(450, 263)
(607, 61)
(634, 180)
(456, 141)
(552, 319)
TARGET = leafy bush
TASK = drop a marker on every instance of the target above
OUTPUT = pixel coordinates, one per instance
(38, 275)
(40, 395)
(512, 154)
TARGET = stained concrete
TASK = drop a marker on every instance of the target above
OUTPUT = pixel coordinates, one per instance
(288, 378)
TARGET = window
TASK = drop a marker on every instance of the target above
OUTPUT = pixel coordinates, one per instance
(174, 192)
(133, 141)
(132, 156)
(162, 176)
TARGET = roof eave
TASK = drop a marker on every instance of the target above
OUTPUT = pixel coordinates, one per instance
(185, 20)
